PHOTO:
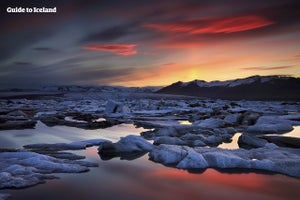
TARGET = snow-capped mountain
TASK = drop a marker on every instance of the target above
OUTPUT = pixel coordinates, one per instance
(252, 88)
(76, 88)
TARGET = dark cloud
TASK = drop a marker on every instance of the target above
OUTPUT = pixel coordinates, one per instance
(27, 76)
(22, 63)
(263, 68)
(102, 75)
(43, 49)
(109, 34)
(12, 44)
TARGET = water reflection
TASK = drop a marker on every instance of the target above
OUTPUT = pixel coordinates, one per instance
(143, 179)
(184, 122)
(63, 134)
(233, 144)
(294, 133)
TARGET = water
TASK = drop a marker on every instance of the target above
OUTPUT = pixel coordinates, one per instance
(184, 122)
(233, 144)
(140, 178)
(294, 133)
(58, 134)
(143, 179)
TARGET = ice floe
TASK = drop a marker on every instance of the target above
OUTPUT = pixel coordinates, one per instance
(67, 146)
(270, 124)
(116, 107)
(126, 148)
(190, 135)
(283, 141)
(211, 123)
(4, 196)
(23, 168)
(251, 141)
(269, 158)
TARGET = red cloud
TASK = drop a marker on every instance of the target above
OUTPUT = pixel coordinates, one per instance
(209, 25)
(118, 49)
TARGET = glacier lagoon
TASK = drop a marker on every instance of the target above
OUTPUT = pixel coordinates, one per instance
(77, 123)
(140, 178)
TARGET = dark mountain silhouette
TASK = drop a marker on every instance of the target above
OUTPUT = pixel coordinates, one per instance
(252, 88)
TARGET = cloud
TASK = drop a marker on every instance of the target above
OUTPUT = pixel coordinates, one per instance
(43, 49)
(212, 25)
(118, 49)
(22, 63)
(109, 34)
(262, 68)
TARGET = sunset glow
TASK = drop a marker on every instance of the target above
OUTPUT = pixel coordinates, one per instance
(140, 44)
(221, 25)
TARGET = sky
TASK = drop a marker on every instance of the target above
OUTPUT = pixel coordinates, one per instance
(147, 42)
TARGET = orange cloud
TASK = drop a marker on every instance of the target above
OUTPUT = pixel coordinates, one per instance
(268, 68)
(212, 25)
(118, 49)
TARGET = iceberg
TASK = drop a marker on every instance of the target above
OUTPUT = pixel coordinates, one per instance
(269, 158)
(21, 169)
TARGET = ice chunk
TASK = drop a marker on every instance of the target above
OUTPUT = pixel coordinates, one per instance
(116, 107)
(22, 168)
(192, 160)
(168, 154)
(4, 196)
(67, 146)
(249, 141)
(211, 123)
(270, 158)
(270, 124)
(168, 140)
(233, 118)
(129, 147)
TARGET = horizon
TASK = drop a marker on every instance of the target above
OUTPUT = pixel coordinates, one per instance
(159, 86)
(137, 44)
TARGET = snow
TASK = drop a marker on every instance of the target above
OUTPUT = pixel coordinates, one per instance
(229, 83)
(232, 83)
(245, 81)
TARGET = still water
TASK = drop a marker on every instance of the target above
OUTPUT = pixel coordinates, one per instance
(140, 178)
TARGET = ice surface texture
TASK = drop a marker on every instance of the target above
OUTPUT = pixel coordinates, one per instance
(270, 158)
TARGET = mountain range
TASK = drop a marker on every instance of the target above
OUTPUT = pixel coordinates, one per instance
(276, 87)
